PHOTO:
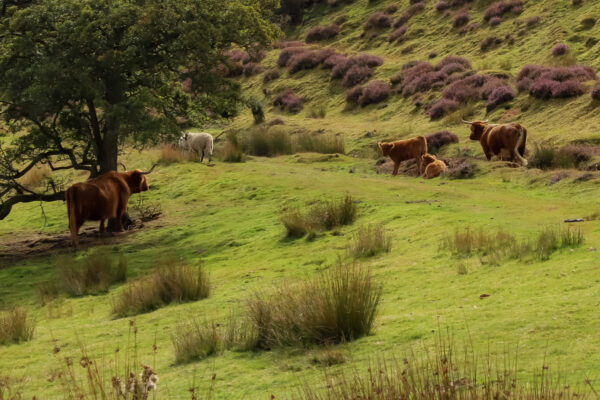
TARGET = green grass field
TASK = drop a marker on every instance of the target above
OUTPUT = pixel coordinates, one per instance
(228, 216)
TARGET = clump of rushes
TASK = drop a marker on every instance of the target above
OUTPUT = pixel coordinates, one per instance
(172, 281)
(322, 216)
(15, 327)
(336, 306)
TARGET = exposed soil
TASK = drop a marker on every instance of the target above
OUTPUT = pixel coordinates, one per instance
(38, 244)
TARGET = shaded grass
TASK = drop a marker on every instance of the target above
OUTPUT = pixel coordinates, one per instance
(369, 241)
(15, 327)
(321, 216)
(336, 306)
(93, 274)
(171, 281)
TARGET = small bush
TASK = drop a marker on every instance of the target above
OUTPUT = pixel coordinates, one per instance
(410, 12)
(442, 5)
(288, 101)
(369, 241)
(356, 75)
(271, 75)
(251, 69)
(596, 91)
(321, 216)
(195, 341)
(498, 96)
(338, 305)
(319, 33)
(532, 21)
(286, 54)
(15, 327)
(276, 121)
(231, 151)
(560, 49)
(554, 82)
(317, 143)
(398, 34)
(171, 282)
(546, 156)
(461, 169)
(494, 21)
(372, 93)
(442, 107)
(391, 9)
(437, 140)
(379, 20)
(488, 42)
(91, 275)
(352, 95)
(499, 8)
(460, 19)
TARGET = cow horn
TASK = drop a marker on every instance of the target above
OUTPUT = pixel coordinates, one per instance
(123, 165)
(466, 122)
(149, 171)
(486, 121)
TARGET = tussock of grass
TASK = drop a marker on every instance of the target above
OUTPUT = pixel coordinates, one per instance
(500, 245)
(326, 144)
(93, 274)
(15, 327)
(321, 216)
(369, 241)
(446, 373)
(338, 305)
(169, 154)
(197, 339)
(170, 282)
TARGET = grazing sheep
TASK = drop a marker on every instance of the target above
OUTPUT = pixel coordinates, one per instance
(200, 143)
(433, 166)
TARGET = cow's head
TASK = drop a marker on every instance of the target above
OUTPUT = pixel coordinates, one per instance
(477, 128)
(136, 179)
(427, 159)
(386, 147)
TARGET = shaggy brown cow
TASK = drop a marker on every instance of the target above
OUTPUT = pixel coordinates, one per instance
(495, 138)
(433, 166)
(102, 198)
(403, 150)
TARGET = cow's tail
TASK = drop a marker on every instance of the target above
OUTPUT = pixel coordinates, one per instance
(71, 205)
(520, 145)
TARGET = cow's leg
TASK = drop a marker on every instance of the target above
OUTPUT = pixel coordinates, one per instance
(396, 166)
(202, 157)
(102, 226)
(419, 161)
(75, 233)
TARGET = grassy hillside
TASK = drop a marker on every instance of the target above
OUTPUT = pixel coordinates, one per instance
(228, 217)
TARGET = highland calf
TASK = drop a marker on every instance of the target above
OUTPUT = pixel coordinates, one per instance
(403, 150)
(496, 138)
(200, 143)
(103, 198)
(433, 167)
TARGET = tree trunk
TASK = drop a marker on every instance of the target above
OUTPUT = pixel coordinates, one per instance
(107, 158)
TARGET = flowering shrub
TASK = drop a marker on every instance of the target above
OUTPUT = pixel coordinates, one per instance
(287, 100)
(379, 20)
(560, 49)
(441, 108)
(398, 34)
(498, 96)
(319, 33)
(499, 8)
(437, 140)
(461, 19)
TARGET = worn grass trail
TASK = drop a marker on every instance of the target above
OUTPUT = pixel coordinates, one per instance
(228, 215)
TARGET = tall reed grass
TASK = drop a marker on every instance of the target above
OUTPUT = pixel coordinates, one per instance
(172, 281)
(370, 240)
(336, 306)
(321, 216)
(15, 327)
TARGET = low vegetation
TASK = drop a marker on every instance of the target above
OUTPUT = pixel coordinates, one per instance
(169, 154)
(173, 281)
(321, 216)
(548, 156)
(338, 305)
(500, 245)
(93, 274)
(369, 241)
(446, 372)
(15, 327)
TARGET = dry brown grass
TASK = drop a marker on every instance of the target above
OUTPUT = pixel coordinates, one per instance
(15, 327)
(338, 305)
(35, 177)
(444, 373)
(369, 241)
(172, 281)
(321, 216)
(170, 154)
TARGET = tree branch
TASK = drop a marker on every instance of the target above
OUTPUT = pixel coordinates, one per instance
(28, 198)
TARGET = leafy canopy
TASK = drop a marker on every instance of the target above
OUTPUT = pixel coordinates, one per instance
(79, 78)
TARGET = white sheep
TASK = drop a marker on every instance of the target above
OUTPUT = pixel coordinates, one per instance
(199, 142)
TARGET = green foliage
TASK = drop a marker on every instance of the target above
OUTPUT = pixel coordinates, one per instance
(82, 77)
